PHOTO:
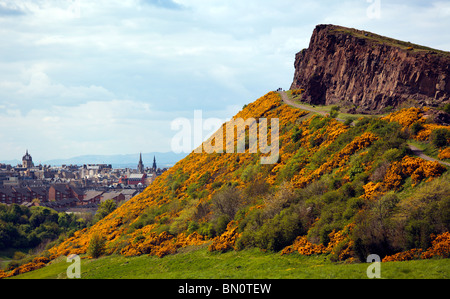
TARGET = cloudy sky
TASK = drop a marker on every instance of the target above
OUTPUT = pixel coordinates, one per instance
(108, 76)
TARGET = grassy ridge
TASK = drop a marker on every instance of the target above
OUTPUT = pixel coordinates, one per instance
(379, 39)
(198, 263)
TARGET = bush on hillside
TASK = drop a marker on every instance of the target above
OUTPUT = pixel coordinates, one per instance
(227, 202)
(440, 137)
(96, 246)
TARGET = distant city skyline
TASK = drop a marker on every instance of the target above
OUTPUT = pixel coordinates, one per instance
(129, 160)
(107, 77)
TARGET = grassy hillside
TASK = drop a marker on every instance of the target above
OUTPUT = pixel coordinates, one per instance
(199, 263)
(342, 192)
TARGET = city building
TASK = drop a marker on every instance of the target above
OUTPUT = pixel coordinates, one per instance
(140, 167)
(27, 161)
(72, 188)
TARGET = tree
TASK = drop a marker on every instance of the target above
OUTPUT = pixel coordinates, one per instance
(227, 202)
(334, 112)
(105, 208)
(439, 137)
(447, 108)
(96, 246)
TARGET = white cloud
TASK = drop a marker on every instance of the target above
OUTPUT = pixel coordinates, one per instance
(37, 89)
(108, 76)
(92, 127)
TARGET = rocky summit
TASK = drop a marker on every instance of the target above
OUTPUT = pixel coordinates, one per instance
(368, 73)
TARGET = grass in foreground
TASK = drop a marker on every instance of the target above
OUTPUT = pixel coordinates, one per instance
(198, 263)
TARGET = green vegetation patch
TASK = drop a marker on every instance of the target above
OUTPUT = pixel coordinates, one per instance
(199, 263)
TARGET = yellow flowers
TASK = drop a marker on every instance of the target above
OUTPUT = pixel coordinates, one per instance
(340, 244)
(338, 160)
(440, 246)
(304, 247)
(415, 167)
(425, 133)
(444, 154)
(160, 244)
(296, 92)
(227, 240)
(37, 263)
(406, 117)
(373, 190)
(410, 116)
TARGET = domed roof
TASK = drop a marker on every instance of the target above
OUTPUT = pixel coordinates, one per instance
(27, 157)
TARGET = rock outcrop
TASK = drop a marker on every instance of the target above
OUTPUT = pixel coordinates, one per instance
(368, 73)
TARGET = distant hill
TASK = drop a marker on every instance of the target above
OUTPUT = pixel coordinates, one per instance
(121, 161)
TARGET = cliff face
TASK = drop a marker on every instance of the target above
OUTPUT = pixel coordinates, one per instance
(365, 73)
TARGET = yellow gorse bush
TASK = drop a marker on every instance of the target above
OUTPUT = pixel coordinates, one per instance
(440, 247)
(419, 169)
(340, 244)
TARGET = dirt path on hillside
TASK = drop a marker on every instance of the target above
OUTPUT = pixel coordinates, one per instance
(290, 102)
(416, 151)
(419, 153)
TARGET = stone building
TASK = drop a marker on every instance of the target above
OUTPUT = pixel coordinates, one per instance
(140, 167)
(27, 161)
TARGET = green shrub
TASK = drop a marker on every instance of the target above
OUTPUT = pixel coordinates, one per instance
(146, 218)
(96, 246)
(192, 227)
(334, 112)
(256, 188)
(446, 108)
(293, 165)
(440, 137)
(191, 190)
(315, 141)
(220, 224)
(424, 212)
(204, 178)
(375, 228)
(227, 201)
(22, 227)
(104, 209)
(297, 134)
(416, 128)
(274, 234)
(318, 122)
(355, 170)
(206, 229)
(249, 172)
(216, 185)
(349, 121)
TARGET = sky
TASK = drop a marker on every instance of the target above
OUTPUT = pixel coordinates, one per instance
(81, 77)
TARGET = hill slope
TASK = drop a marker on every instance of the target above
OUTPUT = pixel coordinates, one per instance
(328, 186)
(344, 191)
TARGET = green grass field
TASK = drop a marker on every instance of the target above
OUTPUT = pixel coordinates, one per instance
(199, 263)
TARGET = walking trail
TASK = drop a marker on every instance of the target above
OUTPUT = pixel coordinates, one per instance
(416, 151)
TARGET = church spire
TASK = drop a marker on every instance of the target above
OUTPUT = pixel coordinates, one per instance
(141, 164)
(154, 163)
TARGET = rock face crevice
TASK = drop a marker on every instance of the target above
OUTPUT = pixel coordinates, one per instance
(368, 73)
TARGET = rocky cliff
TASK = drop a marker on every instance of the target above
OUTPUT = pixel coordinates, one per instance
(368, 73)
